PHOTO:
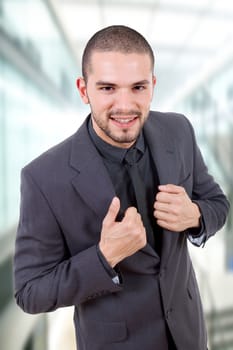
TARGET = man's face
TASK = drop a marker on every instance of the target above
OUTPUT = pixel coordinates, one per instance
(119, 90)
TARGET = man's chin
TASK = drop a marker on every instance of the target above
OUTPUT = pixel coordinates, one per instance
(124, 140)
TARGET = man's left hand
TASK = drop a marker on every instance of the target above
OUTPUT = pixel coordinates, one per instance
(174, 210)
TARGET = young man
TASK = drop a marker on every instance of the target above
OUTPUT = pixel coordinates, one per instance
(105, 215)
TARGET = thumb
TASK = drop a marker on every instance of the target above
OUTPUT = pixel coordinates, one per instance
(113, 210)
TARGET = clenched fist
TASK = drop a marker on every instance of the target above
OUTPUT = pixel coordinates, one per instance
(121, 239)
(174, 210)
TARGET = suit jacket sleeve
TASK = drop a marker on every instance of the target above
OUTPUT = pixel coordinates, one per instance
(207, 194)
(46, 276)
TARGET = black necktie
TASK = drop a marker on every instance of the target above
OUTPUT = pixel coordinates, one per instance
(131, 159)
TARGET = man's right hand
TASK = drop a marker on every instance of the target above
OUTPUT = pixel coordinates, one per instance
(121, 239)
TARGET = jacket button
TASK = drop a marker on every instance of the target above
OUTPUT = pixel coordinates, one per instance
(162, 272)
(168, 314)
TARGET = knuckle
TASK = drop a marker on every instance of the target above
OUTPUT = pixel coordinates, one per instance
(173, 220)
(180, 200)
(139, 233)
(175, 209)
(128, 225)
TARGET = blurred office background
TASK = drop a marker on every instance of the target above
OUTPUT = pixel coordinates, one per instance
(41, 42)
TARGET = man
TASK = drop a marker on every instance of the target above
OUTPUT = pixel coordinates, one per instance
(105, 215)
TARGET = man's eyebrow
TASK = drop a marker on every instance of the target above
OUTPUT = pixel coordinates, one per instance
(141, 82)
(101, 82)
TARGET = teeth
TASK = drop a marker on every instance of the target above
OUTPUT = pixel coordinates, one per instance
(123, 121)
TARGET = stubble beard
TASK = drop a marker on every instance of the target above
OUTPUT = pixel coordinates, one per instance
(126, 136)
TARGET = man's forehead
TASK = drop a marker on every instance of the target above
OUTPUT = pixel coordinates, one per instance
(118, 58)
(107, 53)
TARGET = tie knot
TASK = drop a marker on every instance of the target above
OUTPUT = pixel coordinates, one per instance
(132, 156)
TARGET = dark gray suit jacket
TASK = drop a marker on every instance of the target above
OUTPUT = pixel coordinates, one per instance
(65, 194)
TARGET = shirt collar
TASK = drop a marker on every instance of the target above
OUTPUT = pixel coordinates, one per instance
(113, 153)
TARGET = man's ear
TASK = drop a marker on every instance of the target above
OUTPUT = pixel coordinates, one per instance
(81, 85)
(153, 85)
(154, 80)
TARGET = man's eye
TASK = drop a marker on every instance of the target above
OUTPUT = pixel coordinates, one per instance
(106, 88)
(139, 87)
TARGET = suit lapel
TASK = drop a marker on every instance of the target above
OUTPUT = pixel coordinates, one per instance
(163, 151)
(92, 182)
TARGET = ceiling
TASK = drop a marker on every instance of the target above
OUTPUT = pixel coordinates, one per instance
(190, 38)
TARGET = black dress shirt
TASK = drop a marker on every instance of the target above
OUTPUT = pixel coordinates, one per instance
(113, 158)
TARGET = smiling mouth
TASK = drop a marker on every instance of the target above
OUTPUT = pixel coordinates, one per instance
(124, 121)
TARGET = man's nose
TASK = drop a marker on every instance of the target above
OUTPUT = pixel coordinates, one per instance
(124, 100)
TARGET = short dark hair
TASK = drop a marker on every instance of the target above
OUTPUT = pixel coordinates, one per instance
(116, 38)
